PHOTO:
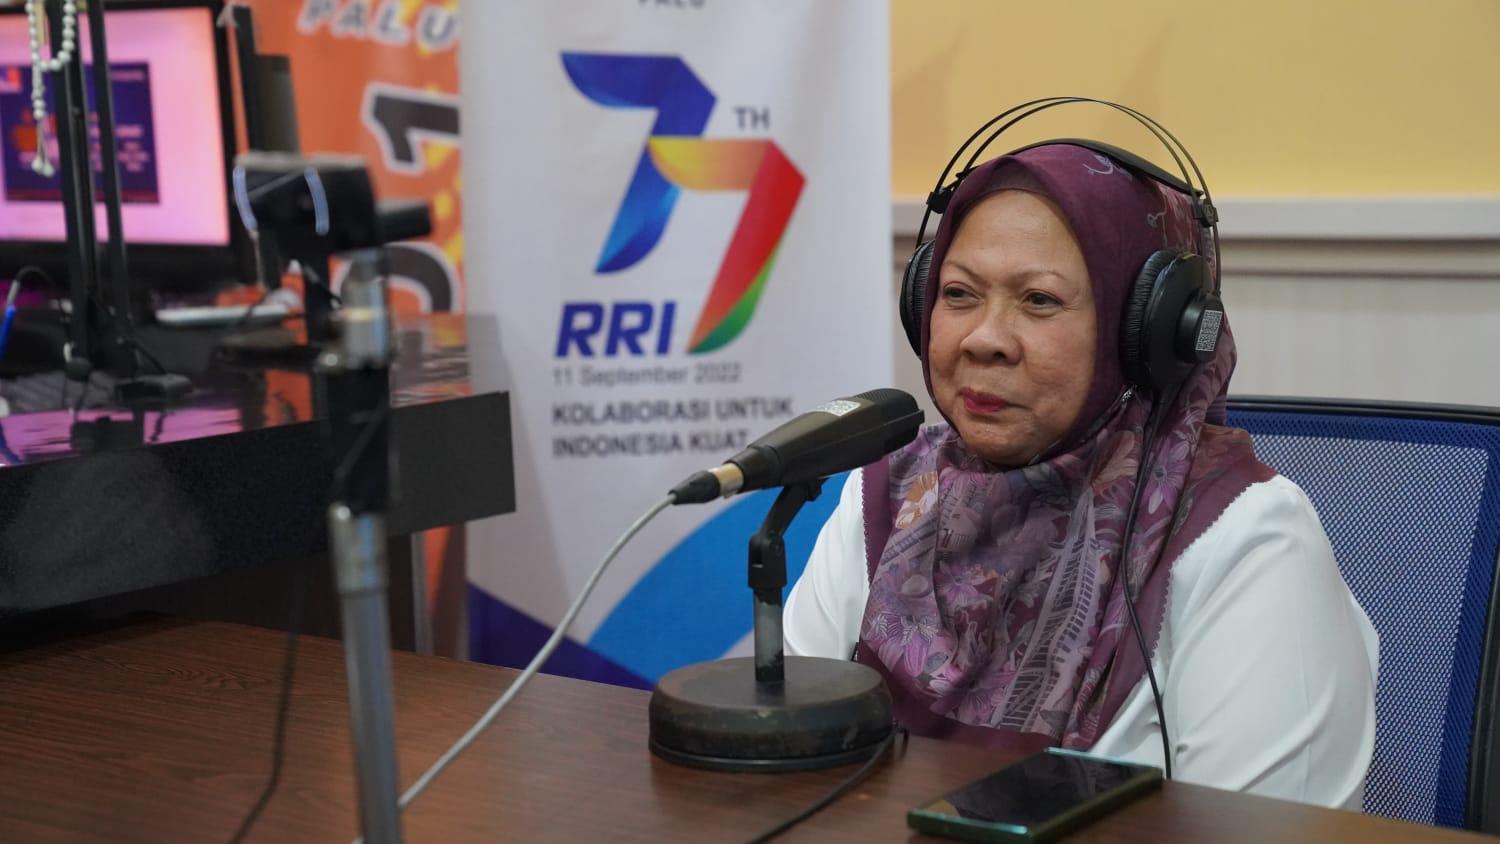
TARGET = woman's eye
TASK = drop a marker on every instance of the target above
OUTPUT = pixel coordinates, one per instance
(1040, 299)
(955, 293)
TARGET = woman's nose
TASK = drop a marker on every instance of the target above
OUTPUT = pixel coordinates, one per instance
(993, 338)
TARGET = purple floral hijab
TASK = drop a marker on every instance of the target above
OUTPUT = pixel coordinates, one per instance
(996, 609)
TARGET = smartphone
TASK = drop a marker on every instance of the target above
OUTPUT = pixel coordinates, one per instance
(1036, 799)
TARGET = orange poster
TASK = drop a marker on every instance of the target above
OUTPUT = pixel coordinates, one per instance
(379, 79)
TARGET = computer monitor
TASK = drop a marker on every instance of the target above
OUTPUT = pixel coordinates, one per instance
(174, 119)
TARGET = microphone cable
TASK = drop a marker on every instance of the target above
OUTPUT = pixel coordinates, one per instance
(463, 743)
(841, 789)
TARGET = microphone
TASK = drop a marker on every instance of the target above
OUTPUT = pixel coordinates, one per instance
(834, 437)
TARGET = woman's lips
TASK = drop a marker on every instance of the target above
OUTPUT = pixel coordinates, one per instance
(981, 404)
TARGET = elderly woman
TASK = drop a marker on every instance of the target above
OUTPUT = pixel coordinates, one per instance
(979, 568)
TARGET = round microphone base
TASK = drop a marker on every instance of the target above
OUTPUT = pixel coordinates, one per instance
(715, 715)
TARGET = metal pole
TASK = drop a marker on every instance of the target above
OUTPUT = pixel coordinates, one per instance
(770, 659)
(360, 568)
(356, 374)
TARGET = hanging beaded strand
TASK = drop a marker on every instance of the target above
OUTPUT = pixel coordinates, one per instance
(41, 163)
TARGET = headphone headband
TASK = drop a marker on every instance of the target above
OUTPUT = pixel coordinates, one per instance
(1203, 207)
(1124, 156)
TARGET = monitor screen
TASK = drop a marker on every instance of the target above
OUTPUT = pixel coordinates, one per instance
(169, 129)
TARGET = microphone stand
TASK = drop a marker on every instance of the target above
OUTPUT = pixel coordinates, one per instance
(109, 163)
(316, 207)
(788, 713)
(98, 334)
(76, 172)
(356, 375)
(768, 578)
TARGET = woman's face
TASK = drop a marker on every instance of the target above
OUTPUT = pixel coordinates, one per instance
(1011, 344)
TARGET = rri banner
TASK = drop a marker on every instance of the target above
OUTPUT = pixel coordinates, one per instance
(677, 213)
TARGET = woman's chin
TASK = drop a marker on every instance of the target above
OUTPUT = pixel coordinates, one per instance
(995, 442)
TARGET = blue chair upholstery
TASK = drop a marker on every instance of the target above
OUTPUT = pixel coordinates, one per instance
(1410, 497)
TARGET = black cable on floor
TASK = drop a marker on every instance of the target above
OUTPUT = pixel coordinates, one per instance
(283, 707)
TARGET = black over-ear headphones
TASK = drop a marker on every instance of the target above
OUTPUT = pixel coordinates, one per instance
(1173, 314)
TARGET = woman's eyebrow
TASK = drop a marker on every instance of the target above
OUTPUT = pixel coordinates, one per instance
(1030, 272)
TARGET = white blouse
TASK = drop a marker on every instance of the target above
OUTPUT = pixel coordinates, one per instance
(1266, 661)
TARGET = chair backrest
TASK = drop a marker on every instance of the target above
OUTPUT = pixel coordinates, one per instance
(1410, 497)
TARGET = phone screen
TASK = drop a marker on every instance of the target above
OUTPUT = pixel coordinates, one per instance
(1039, 796)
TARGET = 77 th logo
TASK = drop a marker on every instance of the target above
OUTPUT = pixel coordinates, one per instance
(676, 158)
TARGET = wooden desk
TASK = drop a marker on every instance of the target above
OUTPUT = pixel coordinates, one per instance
(161, 731)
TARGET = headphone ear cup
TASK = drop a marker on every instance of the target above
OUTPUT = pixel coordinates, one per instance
(913, 301)
(1171, 322)
(1135, 334)
(1202, 324)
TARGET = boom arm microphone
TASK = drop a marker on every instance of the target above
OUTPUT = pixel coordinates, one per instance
(835, 437)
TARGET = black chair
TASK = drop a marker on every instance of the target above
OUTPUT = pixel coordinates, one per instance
(1410, 497)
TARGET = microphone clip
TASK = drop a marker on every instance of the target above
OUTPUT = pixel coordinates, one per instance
(768, 555)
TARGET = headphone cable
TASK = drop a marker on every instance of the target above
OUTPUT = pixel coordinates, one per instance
(1153, 422)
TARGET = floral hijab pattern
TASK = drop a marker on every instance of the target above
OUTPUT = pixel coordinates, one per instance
(996, 609)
